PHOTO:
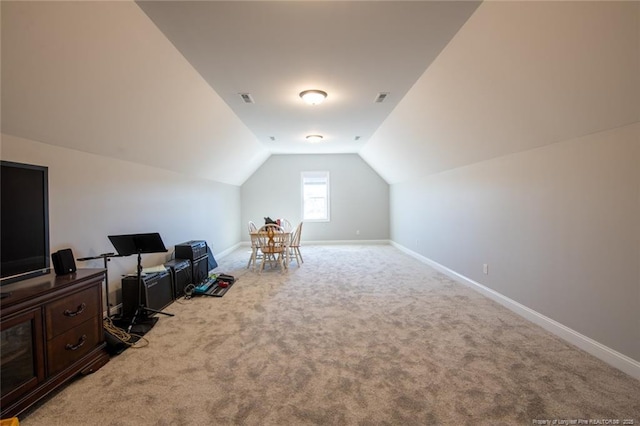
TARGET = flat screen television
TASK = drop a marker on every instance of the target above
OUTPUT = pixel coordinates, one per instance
(24, 221)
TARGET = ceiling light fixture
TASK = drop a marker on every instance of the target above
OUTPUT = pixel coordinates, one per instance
(313, 97)
(314, 138)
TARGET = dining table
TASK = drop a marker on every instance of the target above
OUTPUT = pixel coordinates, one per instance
(255, 245)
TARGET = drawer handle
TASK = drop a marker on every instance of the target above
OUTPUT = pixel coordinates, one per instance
(80, 310)
(71, 347)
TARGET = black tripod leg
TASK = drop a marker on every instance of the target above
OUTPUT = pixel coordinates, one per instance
(158, 312)
(133, 320)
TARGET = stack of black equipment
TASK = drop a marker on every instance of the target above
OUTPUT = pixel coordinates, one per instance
(196, 252)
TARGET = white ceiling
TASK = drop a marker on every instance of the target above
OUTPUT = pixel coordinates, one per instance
(275, 50)
(157, 82)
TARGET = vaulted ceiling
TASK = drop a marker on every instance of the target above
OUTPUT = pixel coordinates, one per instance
(275, 50)
(158, 82)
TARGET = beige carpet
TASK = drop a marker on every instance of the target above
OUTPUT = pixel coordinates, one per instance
(359, 335)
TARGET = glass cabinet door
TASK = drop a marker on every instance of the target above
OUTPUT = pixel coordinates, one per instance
(21, 368)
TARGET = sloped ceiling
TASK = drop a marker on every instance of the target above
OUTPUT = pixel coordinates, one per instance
(137, 81)
(274, 50)
(517, 76)
(99, 77)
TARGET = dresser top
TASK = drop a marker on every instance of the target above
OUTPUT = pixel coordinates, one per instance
(32, 288)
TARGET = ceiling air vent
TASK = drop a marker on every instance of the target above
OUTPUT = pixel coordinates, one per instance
(246, 98)
(381, 97)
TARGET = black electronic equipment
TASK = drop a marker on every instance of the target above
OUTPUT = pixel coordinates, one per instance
(129, 244)
(157, 292)
(63, 262)
(24, 221)
(200, 269)
(191, 250)
(180, 270)
(216, 286)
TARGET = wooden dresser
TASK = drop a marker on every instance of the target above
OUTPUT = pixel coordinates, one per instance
(51, 330)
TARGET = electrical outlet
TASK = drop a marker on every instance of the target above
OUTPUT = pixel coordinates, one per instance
(485, 268)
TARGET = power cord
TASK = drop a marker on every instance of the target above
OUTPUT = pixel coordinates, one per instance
(123, 336)
(188, 291)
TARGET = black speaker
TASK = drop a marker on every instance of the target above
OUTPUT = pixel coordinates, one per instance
(157, 292)
(200, 269)
(180, 270)
(63, 262)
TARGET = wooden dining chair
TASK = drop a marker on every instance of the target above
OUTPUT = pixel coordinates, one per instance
(286, 225)
(256, 254)
(273, 244)
(294, 245)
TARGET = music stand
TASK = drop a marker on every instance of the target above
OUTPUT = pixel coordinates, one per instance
(127, 245)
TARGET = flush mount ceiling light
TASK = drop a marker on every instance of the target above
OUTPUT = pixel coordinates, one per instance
(314, 138)
(313, 97)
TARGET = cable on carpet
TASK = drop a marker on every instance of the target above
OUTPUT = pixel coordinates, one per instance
(123, 336)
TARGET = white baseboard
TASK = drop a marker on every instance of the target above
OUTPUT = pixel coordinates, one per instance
(230, 250)
(340, 242)
(597, 349)
(332, 242)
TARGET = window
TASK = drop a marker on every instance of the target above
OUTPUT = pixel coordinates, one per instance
(315, 196)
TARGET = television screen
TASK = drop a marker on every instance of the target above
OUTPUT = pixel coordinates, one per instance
(24, 221)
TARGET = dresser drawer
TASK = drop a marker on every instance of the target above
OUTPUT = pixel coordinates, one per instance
(72, 345)
(64, 314)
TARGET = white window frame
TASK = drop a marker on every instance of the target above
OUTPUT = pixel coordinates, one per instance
(316, 175)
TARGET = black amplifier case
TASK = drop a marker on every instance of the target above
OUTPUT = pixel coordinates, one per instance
(157, 292)
(191, 250)
(180, 270)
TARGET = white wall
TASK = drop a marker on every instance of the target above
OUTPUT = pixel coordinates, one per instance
(100, 77)
(559, 227)
(518, 147)
(518, 75)
(359, 197)
(91, 197)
